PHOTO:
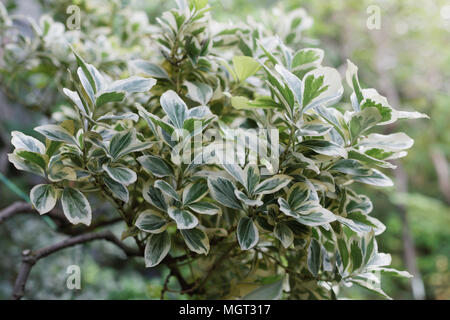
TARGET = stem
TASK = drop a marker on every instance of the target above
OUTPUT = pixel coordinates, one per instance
(31, 258)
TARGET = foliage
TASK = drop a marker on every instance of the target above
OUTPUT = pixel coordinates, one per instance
(268, 201)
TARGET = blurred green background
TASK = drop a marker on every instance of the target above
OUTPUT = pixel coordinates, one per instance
(407, 59)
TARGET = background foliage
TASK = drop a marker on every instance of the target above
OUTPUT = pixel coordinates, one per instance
(406, 59)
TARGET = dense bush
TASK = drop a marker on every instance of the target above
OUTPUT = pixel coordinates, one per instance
(228, 152)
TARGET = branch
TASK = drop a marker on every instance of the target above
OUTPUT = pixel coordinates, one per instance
(63, 226)
(20, 207)
(29, 258)
(15, 208)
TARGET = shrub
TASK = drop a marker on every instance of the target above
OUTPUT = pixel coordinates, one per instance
(230, 153)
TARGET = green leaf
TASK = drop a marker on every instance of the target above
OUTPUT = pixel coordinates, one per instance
(321, 86)
(283, 93)
(368, 159)
(59, 172)
(132, 85)
(154, 196)
(245, 199)
(167, 189)
(240, 102)
(56, 133)
(33, 157)
(106, 97)
(28, 143)
(151, 221)
(89, 72)
(350, 166)
(150, 69)
(194, 127)
(315, 129)
(123, 116)
(363, 120)
(356, 256)
(125, 142)
(294, 83)
(196, 240)
(376, 178)
(88, 89)
(357, 226)
(252, 177)
(194, 192)
(373, 99)
(297, 195)
(394, 272)
(307, 58)
(157, 248)
(409, 115)
(174, 107)
(25, 165)
(199, 4)
(318, 217)
(122, 175)
(183, 218)
(366, 223)
(272, 184)
(200, 112)
(234, 170)
(286, 208)
(271, 291)
(306, 162)
(76, 207)
(245, 67)
(379, 260)
(204, 207)
(151, 119)
(352, 80)
(344, 252)
(118, 90)
(43, 197)
(199, 92)
(155, 165)
(118, 190)
(283, 233)
(120, 142)
(247, 233)
(333, 117)
(314, 257)
(325, 147)
(371, 287)
(222, 190)
(390, 142)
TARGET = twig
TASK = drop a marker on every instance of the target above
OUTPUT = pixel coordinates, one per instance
(29, 258)
(287, 269)
(192, 289)
(166, 284)
(185, 286)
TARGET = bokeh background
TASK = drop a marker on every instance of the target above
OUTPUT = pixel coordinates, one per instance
(407, 59)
